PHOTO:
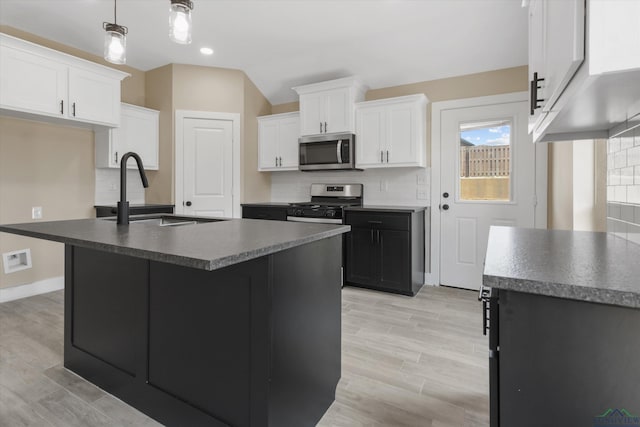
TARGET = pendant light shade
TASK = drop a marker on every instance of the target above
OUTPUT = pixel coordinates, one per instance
(180, 21)
(115, 40)
(115, 43)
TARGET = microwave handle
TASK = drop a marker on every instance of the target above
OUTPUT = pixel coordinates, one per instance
(339, 151)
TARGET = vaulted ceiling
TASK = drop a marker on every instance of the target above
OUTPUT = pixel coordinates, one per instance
(283, 43)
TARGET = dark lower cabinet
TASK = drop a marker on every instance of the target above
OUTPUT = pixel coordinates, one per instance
(385, 250)
(268, 212)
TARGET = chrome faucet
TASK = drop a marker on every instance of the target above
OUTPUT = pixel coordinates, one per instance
(123, 204)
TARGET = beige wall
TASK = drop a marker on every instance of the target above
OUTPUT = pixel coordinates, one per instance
(44, 165)
(560, 186)
(190, 87)
(256, 186)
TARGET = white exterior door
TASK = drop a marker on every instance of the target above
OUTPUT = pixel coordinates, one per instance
(487, 178)
(208, 167)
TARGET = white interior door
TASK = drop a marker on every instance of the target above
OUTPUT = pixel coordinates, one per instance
(208, 167)
(487, 178)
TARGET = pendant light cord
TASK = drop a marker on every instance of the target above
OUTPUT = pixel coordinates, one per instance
(115, 12)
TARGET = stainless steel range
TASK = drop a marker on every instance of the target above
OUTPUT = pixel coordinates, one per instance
(327, 203)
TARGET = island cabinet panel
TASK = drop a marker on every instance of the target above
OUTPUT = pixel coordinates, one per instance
(107, 311)
(565, 362)
(253, 344)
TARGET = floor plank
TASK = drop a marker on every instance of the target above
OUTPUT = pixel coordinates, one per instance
(415, 362)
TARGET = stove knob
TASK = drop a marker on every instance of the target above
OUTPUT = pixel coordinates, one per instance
(298, 212)
(330, 213)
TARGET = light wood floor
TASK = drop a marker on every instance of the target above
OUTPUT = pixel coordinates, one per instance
(405, 362)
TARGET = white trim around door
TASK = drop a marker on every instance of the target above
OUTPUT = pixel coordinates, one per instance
(180, 115)
(436, 129)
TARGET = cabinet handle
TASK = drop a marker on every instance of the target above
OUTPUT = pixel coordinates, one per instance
(378, 236)
(387, 156)
(320, 127)
(372, 236)
(325, 127)
(62, 107)
(276, 161)
(280, 158)
(381, 156)
(534, 93)
(115, 156)
(74, 109)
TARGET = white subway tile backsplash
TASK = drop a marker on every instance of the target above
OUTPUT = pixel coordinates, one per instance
(633, 194)
(394, 186)
(108, 187)
(626, 176)
(633, 156)
(614, 145)
(620, 193)
(620, 159)
(626, 140)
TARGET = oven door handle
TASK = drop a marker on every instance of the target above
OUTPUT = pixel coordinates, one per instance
(339, 150)
(316, 220)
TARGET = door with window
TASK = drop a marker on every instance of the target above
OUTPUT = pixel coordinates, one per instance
(487, 178)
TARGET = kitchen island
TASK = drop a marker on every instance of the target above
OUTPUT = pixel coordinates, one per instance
(564, 319)
(223, 323)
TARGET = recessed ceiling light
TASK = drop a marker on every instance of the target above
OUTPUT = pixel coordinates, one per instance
(206, 51)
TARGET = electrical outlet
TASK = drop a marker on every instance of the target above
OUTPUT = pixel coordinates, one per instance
(36, 212)
(421, 179)
(113, 186)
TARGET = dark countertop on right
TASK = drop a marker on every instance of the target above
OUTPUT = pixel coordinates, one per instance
(580, 265)
(387, 208)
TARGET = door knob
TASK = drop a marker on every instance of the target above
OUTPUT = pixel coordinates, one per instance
(188, 203)
(445, 195)
(445, 207)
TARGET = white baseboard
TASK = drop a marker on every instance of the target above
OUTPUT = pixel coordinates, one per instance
(31, 289)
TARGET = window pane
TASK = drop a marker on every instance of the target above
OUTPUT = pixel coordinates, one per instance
(485, 160)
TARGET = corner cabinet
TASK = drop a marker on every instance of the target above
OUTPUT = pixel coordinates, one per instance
(38, 82)
(385, 249)
(391, 132)
(278, 142)
(328, 107)
(584, 76)
(138, 132)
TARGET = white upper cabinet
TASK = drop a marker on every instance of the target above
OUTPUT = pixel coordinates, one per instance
(278, 142)
(138, 132)
(41, 82)
(586, 54)
(391, 132)
(328, 107)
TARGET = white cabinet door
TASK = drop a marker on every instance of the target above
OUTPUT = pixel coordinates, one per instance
(536, 60)
(138, 132)
(141, 126)
(32, 83)
(267, 145)
(93, 97)
(370, 136)
(289, 132)
(278, 142)
(312, 114)
(338, 111)
(564, 46)
(391, 132)
(402, 145)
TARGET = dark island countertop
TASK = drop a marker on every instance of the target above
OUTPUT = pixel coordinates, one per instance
(206, 246)
(579, 265)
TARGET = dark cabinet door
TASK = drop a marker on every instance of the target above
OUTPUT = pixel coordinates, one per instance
(361, 256)
(394, 252)
(275, 213)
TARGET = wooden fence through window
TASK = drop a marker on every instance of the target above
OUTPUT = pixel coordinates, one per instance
(484, 160)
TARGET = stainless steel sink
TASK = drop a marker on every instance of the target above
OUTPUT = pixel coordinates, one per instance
(168, 220)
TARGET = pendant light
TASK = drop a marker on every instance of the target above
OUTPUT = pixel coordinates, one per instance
(180, 21)
(115, 40)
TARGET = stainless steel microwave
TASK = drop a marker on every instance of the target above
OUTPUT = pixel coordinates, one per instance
(331, 151)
